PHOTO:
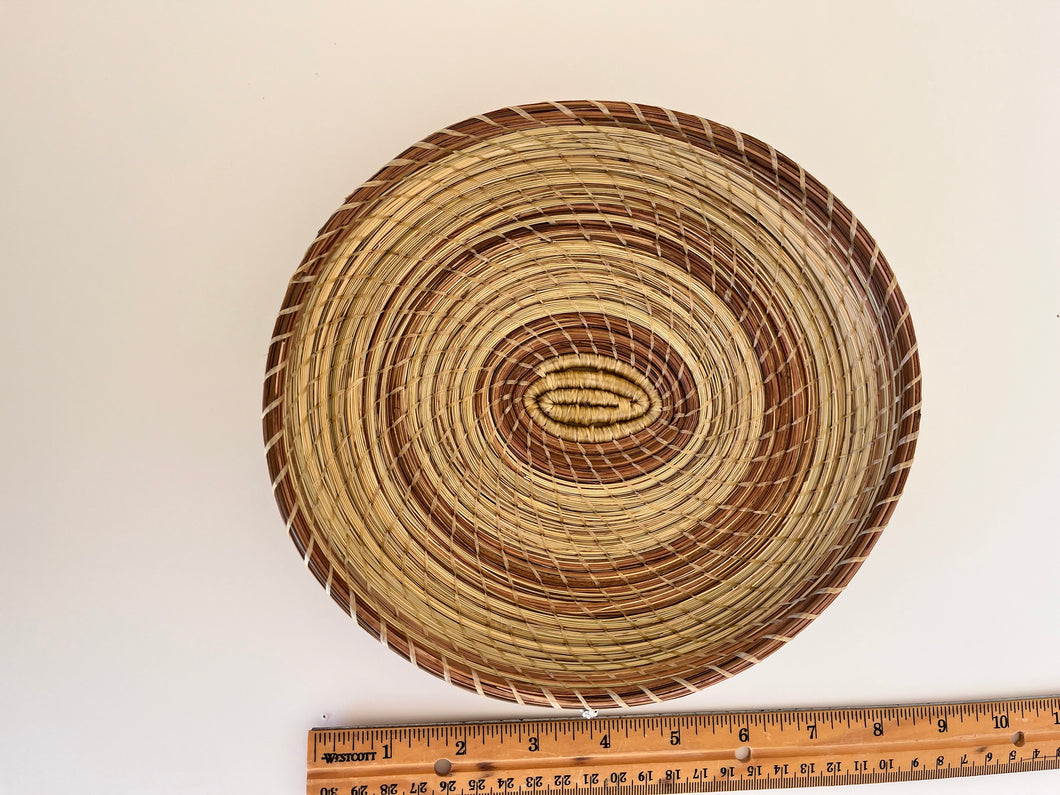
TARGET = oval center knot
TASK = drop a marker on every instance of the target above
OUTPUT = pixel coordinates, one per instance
(591, 398)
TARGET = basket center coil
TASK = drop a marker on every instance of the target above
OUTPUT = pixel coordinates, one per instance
(591, 398)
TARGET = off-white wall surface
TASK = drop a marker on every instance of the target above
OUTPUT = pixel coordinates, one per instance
(164, 166)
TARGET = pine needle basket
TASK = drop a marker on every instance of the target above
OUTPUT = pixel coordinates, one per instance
(589, 404)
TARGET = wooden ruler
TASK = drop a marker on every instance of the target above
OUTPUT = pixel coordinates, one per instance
(662, 754)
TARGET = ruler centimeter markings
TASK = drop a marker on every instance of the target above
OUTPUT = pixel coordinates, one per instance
(681, 753)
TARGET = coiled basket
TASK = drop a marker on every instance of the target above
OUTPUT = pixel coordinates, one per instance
(589, 404)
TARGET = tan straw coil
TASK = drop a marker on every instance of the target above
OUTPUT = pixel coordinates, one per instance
(589, 404)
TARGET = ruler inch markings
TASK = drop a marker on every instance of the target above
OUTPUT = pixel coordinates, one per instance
(674, 753)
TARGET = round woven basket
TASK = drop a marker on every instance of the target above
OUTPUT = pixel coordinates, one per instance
(589, 404)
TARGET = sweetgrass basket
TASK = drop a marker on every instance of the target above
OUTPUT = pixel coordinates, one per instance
(589, 404)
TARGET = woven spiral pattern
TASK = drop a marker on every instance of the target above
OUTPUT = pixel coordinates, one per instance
(589, 404)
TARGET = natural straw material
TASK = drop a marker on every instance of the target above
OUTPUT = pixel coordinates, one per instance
(589, 404)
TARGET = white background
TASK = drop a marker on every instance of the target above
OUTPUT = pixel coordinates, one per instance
(164, 166)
